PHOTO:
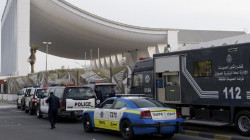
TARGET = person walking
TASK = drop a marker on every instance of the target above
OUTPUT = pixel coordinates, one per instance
(98, 94)
(112, 93)
(54, 104)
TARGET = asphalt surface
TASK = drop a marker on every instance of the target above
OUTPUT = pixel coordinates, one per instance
(15, 124)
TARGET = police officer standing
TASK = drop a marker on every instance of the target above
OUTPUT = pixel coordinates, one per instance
(98, 94)
(54, 104)
(112, 93)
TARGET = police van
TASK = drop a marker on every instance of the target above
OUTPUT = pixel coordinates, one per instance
(73, 100)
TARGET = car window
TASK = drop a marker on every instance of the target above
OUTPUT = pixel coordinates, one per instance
(40, 92)
(146, 102)
(108, 104)
(82, 93)
(59, 92)
(28, 92)
(119, 104)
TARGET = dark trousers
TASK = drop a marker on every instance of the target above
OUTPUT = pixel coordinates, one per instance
(52, 117)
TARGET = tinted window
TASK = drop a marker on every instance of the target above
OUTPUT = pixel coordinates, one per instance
(28, 92)
(137, 80)
(119, 104)
(108, 104)
(106, 89)
(79, 93)
(203, 68)
(146, 102)
(40, 92)
(59, 92)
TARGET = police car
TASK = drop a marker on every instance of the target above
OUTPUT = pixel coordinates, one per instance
(133, 116)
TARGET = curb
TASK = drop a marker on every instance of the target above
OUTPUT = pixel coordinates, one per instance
(210, 135)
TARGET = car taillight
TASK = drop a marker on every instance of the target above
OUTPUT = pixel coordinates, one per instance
(178, 113)
(63, 104)
(34, 100)
(146, 114)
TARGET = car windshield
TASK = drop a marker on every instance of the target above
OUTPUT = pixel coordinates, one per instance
(146, 102)
(40, 92)
(79, 93)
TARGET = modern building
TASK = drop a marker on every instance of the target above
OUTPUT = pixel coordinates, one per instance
(75, 32)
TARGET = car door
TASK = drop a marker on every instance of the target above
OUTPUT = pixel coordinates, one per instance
(32, 91)
(44, 106)
(101, 115)
(115, 114)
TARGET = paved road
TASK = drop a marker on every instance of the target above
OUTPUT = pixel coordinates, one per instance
(15, 124)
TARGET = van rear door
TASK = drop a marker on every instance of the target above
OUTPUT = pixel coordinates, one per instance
(79, 98)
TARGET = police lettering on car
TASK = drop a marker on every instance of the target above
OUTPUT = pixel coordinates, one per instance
(82, 103)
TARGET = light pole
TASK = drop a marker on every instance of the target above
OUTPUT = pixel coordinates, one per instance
(47, 45)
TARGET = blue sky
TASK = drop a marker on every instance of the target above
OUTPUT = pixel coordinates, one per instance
(230, 15)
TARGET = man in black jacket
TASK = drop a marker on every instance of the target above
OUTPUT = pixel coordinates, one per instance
(54, 104)
(98, 94)
(112, 93)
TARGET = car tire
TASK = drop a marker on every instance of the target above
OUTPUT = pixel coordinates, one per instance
(127, 130)
(87, 125)
(38, 113)
(31, 112)
(242, 122)
(26, 110)
(22, 106)
(167, 136)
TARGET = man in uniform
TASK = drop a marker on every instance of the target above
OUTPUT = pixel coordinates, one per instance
(54, 104)
(98, 94)
(112, 93)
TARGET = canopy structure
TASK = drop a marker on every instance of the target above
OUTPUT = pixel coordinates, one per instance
(74, 32)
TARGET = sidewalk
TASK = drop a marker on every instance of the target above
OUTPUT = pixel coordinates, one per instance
(217, 133)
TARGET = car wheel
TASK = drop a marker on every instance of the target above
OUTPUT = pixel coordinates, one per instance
(38, 113)
(26, 110)
(242, 122)
(22, 106)
(31, 112)
(87, 126)
(168, 136)
(127, 130)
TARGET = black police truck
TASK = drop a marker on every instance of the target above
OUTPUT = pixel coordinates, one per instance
(208, 86)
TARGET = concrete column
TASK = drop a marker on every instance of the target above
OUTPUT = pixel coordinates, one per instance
(93, 64)
(160, 48)
(108, 62)
(173, 40)
(98, 63)
(114, 60)
(103, 62)
(151, 51)
(119, 59)
(129, 60)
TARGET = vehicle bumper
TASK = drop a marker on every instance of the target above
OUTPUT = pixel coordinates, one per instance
(158, 128)
(72, 114)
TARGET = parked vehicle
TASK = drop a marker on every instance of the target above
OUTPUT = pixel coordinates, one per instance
(209, 86)
(133, 116)
(26, 92)
(105, 88)
(19, 98)
(73, 100)
(34, 99)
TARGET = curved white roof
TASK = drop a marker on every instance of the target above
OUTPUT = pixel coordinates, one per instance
(73, 31)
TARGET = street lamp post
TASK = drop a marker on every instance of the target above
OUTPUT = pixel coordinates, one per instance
(47, 46)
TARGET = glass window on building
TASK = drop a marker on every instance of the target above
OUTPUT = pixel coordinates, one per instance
(203, 68)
